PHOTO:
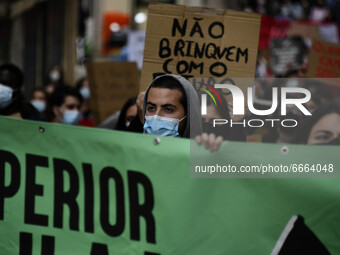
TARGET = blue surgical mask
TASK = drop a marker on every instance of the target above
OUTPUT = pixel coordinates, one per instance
(157, 125)
(40, 105)
(85, 92)
(6, 94)
(71, 117)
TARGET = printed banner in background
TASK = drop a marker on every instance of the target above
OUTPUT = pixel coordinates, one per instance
(286, 54)
(72, 190)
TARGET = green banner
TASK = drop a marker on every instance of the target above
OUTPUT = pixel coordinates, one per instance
(72, 190)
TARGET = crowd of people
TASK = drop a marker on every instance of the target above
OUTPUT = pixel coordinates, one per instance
(169, 100)
(314, 10)
(323, 100)
(55, 102)
(170, 107)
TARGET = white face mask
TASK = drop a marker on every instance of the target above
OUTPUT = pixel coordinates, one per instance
(40, 105)
(6, 94)
(55, 75)
(85, 92)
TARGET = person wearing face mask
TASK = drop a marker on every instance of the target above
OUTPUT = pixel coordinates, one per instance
(39, 100)
(86, 115)
(166, 109)
(323, 127)
(55, 79)
(65, 104)
(127, 114)
(170, 107)
(12, 102)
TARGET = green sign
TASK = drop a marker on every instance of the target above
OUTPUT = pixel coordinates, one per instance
(72, 190)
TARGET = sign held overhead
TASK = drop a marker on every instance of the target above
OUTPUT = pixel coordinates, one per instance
(199, 42)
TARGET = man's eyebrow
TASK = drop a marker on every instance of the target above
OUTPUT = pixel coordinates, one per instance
(168, 105)
(323, 131)
(151, 103)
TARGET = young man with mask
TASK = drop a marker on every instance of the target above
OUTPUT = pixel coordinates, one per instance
(65, 106)
(12, 102)
(171, 108)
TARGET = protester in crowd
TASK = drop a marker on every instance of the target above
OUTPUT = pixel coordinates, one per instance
(320, 92)
(313, 104)
(127, 114)
(54, 79)
(335, 9)
(120, 120)
(39, 100)
(315, 11)
(323, 127)
(171, 108)
(289, 134)
(12, 102)
(320, 11)
(64, 105)
(292, 135)
(86, 116)
(165, 108)
(325, 95)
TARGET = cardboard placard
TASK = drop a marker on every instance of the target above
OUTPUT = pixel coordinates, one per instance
(199, 42)
(111, 84)
(286, 54)
(305, 30)
(324, 60)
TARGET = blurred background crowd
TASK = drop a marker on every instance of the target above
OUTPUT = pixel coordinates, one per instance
(45, 45)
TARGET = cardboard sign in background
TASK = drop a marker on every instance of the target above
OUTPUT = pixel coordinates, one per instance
(324, 60)
(305, 30)
(111, 84)
(199, 42)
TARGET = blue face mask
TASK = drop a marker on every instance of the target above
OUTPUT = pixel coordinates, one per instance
(157, 125)
(71, 117)
(39, 105)
(6, 94)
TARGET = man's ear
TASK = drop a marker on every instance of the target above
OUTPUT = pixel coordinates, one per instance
(139, 103)
(183, 124)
